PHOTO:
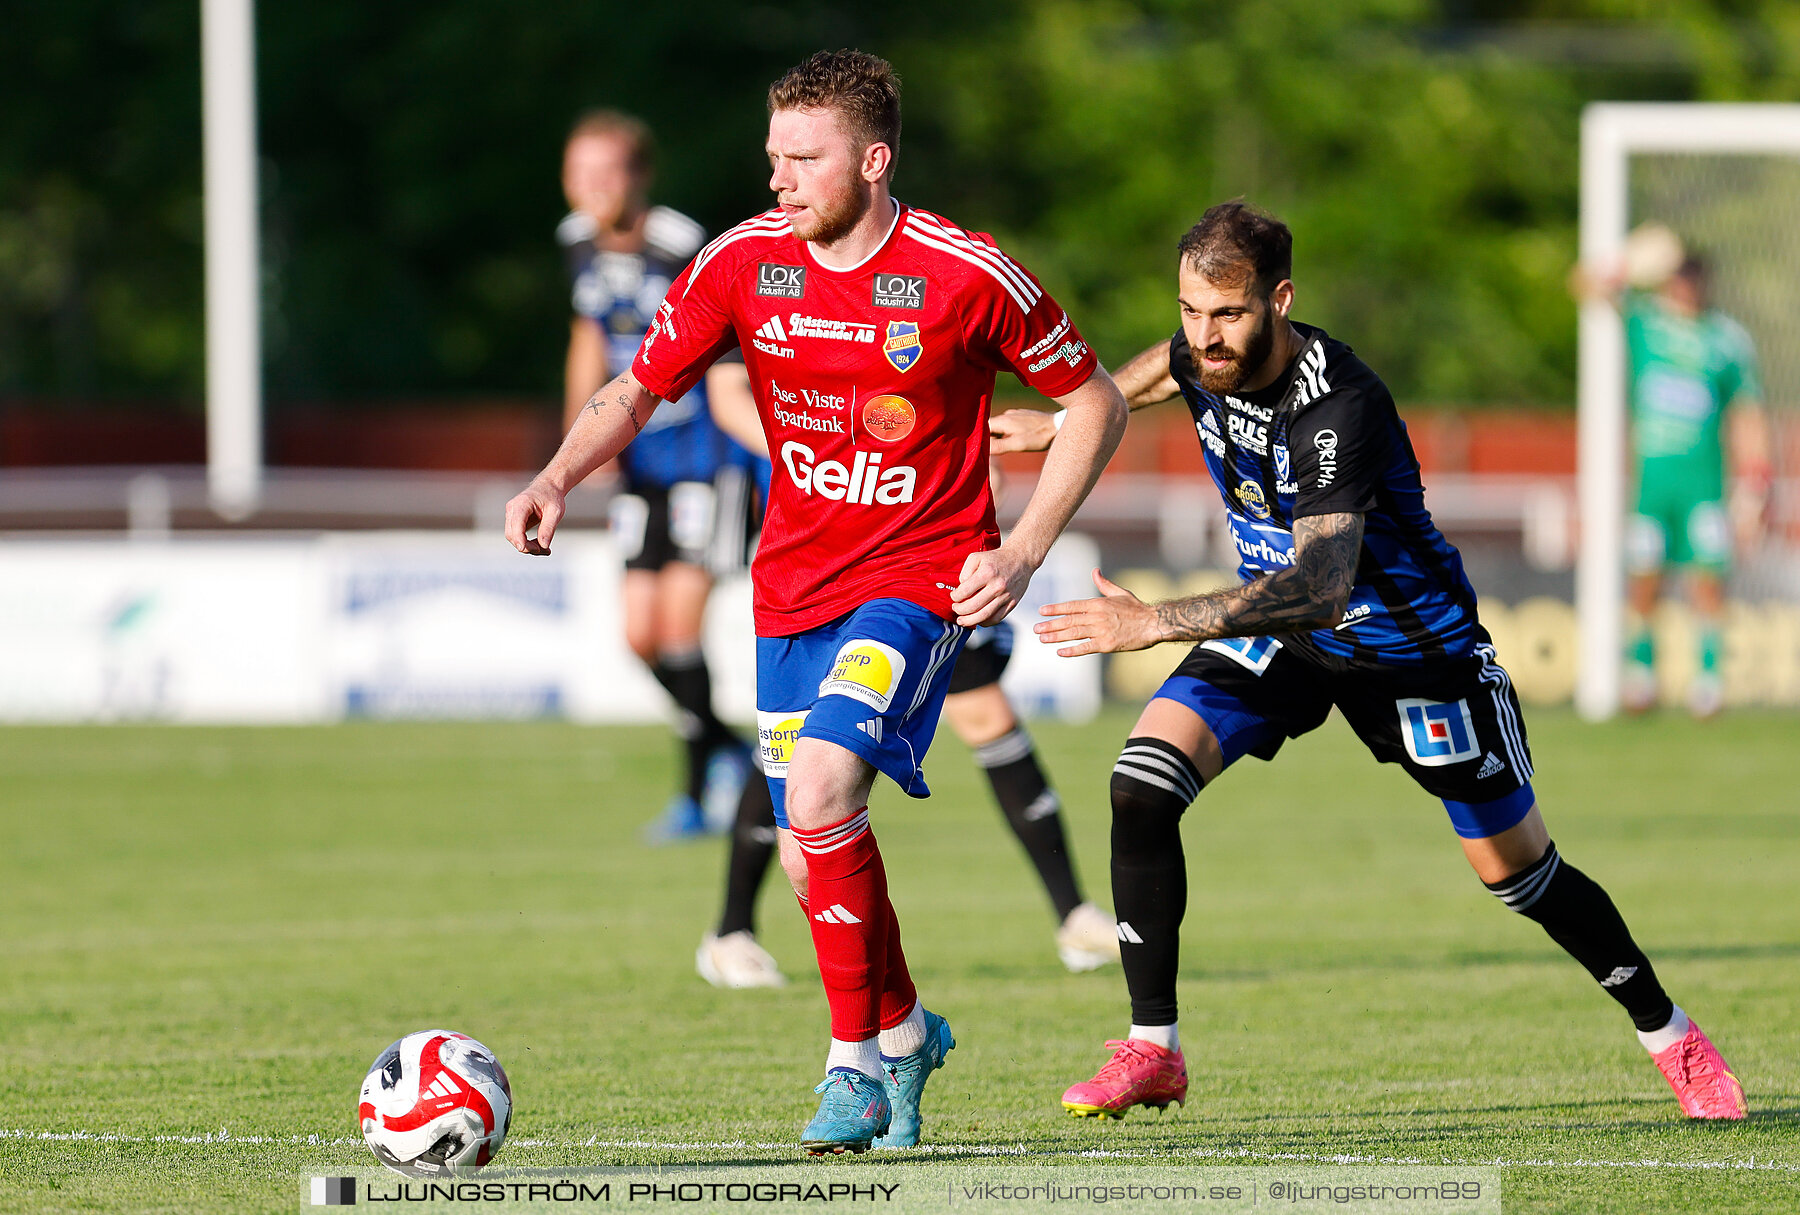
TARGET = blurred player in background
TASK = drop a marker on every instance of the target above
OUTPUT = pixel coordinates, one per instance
(981, 715)
(1695, 398)
(683, 487)
(1351, 598)
(873, 332)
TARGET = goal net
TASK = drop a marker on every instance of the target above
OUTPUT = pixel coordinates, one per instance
(1726, 180)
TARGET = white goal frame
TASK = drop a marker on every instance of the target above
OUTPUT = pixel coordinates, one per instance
(1611, 133)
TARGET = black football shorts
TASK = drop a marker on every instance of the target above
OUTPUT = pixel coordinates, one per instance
(1453, 724)
(712, 524)
(983, 659)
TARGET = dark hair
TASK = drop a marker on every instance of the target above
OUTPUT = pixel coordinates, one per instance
(1693, 268)
(621, 125)
(1235, 243)
(862, 88)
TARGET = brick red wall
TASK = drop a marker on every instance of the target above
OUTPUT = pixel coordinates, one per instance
(1447, 441)
(501, 437)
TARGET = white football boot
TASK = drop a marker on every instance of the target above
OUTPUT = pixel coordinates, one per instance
(736, 960)
(1088, 939)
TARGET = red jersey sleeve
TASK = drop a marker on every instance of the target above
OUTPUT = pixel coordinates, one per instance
(692, 328)
(1025, 330)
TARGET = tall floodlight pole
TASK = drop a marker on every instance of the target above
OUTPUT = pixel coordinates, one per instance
(233, 289)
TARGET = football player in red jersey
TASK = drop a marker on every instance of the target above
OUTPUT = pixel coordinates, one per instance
(872, 333)
(978, 712)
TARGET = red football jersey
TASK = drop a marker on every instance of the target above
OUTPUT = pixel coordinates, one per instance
(874, 385)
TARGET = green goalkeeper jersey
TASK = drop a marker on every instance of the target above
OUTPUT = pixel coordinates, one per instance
(1685, 371)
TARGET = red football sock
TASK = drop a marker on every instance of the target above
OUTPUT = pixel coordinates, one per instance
(852, 924)
(897, 994)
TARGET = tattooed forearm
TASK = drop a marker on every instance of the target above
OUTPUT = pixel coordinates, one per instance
(1327, 550)
(1310, 594)
(623, 402)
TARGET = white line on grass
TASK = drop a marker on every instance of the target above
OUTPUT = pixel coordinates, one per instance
(224, 1137)
(220, 1136)
(1497, 1163)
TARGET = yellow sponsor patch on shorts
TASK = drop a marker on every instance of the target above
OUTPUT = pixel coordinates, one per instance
(865, 670)
(775, 735)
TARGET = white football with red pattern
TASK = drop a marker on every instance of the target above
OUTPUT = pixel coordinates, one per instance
(435, 1102)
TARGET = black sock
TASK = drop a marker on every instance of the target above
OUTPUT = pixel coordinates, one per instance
(1152, 784)
(1032, 810)
(752, 845)
(684, 675)
(1582, 919)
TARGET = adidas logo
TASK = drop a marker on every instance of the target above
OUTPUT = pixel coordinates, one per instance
(444, 1087)
(1128, 933)
(1618, 976)
(872, 728)
(1489, 767)
(835, 914)
(772, 330)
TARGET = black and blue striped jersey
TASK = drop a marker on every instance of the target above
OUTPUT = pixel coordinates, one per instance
(620, 293)
(1325, 438)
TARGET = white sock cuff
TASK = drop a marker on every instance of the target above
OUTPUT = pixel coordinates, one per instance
(864, 1056)
(906, 1037)
(1657, 1041)
(1166, 1036)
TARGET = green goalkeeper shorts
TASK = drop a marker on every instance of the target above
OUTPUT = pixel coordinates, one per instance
(1680, 520)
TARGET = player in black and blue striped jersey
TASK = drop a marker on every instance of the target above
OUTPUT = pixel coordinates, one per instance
(683, 484)
(1350, 598)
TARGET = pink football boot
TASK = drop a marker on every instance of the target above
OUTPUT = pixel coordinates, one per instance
(1139, 1073)
(1697, 1073)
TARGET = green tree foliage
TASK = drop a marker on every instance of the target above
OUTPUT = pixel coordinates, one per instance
(1425, 154)
(1432, 194)
(100, 275)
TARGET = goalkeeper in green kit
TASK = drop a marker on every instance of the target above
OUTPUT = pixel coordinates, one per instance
(1695, 398)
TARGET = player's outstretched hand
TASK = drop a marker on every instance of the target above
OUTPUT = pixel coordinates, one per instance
(992, 584)
(1020, 430)
(1117, 621)
(537, 504)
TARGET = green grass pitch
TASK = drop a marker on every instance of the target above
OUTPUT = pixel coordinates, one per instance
(207, 934)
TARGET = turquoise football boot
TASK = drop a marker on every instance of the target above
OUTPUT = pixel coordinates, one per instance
(854, 1111)
(906, 1078)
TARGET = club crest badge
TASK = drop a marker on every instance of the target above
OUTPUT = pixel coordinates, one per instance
(903, 346)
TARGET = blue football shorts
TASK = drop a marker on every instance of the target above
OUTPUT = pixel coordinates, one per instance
(1453, 724)
(873, 682)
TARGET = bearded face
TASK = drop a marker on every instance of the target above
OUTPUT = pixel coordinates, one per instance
(1232, 325)
(832, 210)
(816, 173)
(1222, 368)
